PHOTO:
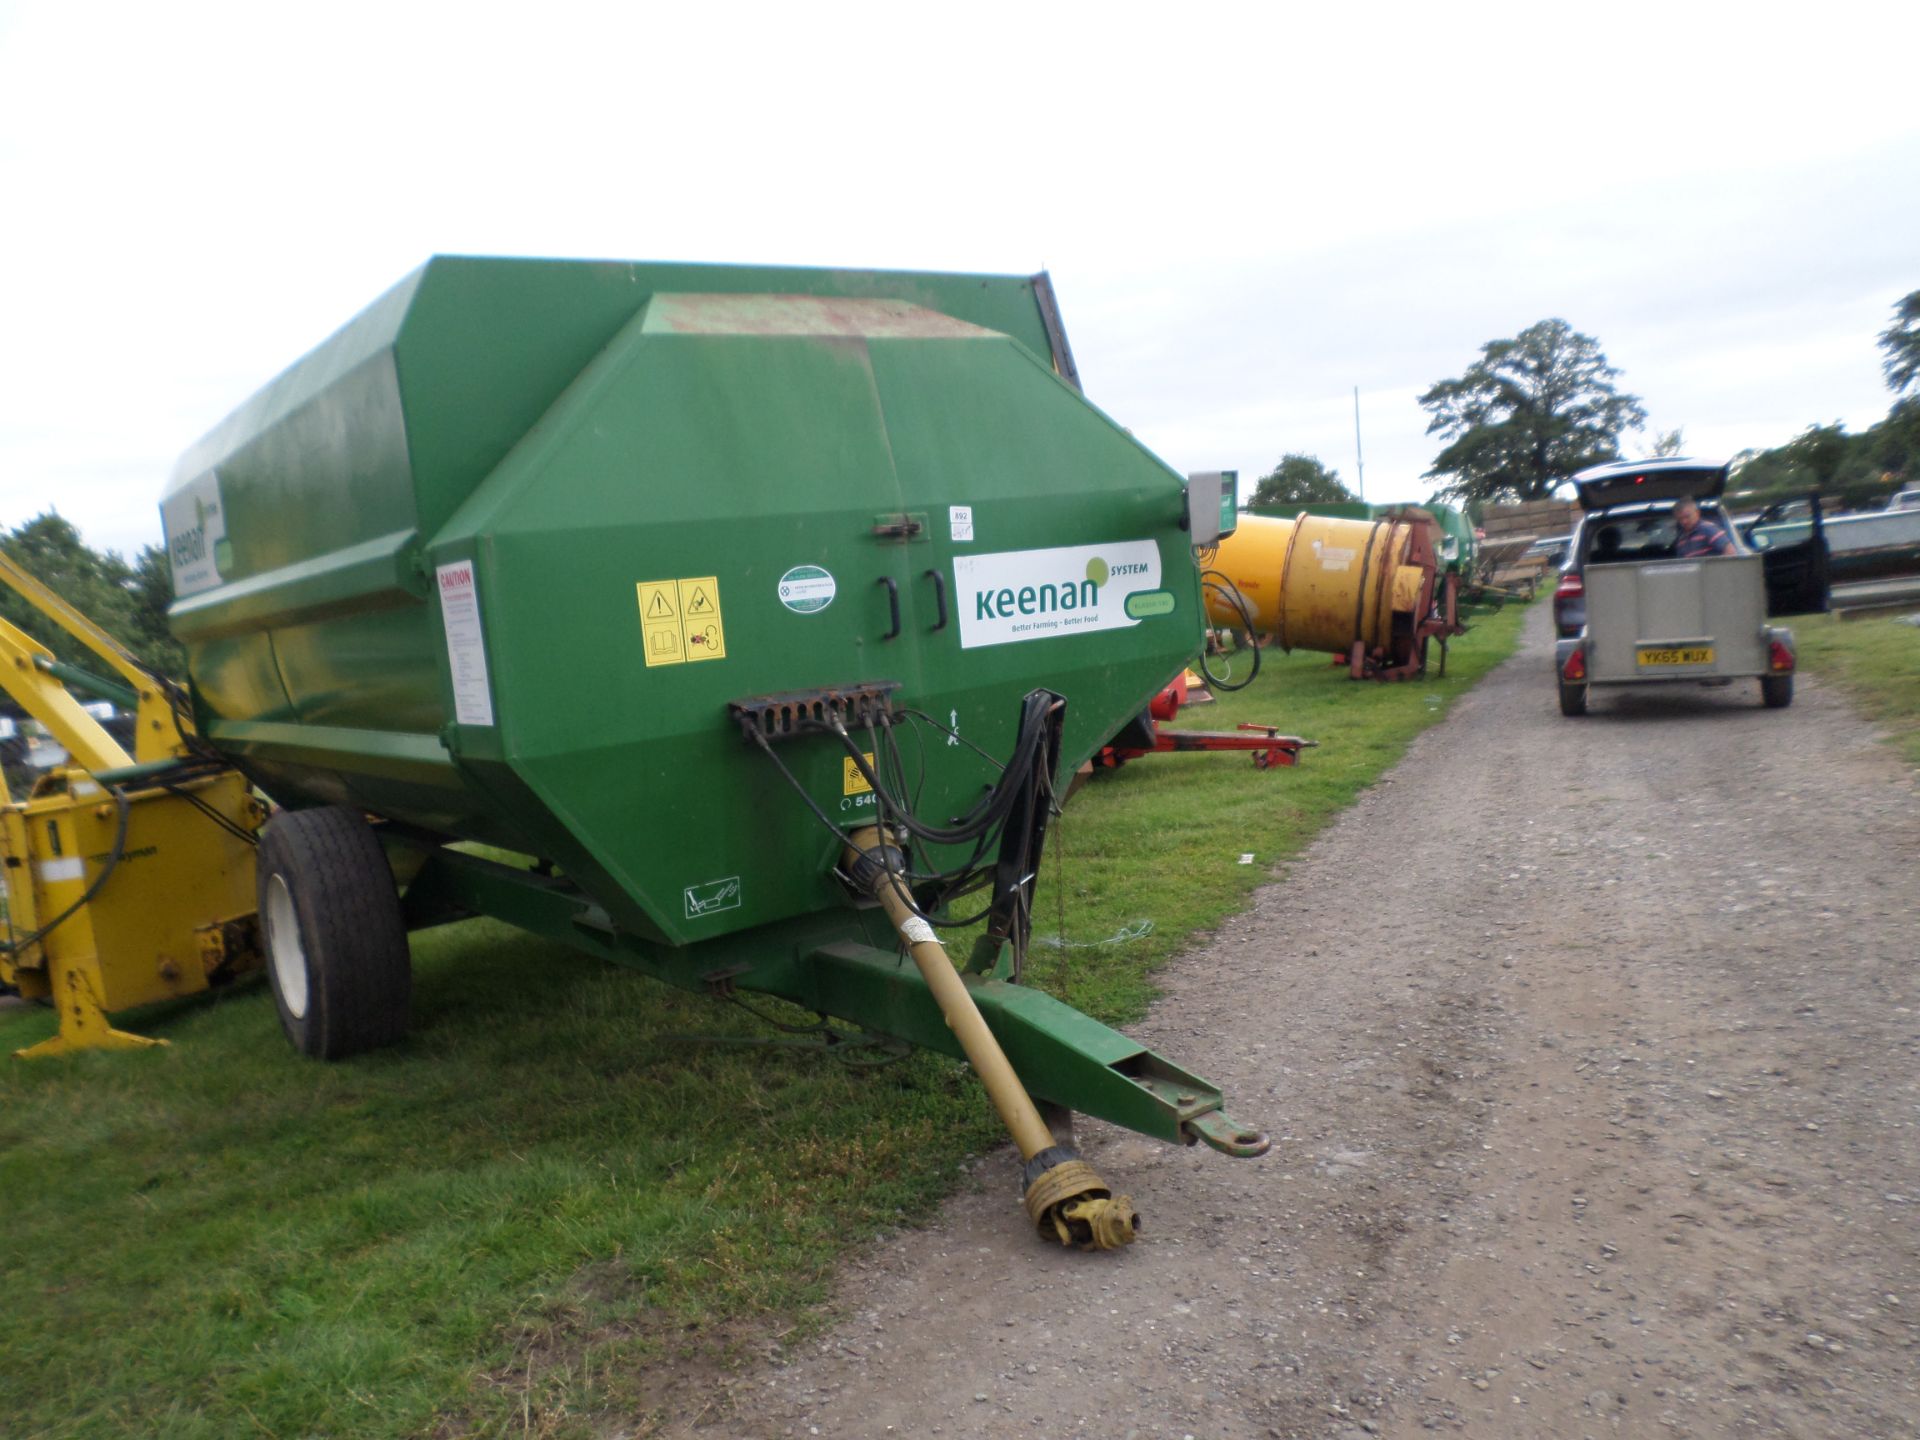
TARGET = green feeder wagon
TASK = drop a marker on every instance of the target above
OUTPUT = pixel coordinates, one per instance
(764, 609)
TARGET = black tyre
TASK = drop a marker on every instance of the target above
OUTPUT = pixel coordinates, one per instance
(336, 947)
(1776, 691)
(1573, 699)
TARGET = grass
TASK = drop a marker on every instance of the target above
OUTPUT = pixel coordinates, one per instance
(1875, 661)
(544, 1210)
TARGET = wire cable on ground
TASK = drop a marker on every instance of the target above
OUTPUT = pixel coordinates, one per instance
(1138, 930)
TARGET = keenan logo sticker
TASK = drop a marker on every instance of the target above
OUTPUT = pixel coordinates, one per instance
(196, 528)
(1043, 594)
(807, 589)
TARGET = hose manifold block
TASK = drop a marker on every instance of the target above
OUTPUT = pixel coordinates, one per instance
(1070, 1203)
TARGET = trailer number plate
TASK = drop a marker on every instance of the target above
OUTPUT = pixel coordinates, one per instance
(1678, 655)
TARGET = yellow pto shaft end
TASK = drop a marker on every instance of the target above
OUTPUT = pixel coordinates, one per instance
(1069, 1202)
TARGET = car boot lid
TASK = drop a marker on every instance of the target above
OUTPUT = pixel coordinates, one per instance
(1627, 482)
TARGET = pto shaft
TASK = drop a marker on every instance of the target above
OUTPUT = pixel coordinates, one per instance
(1065, 1198)
(1017, 1110)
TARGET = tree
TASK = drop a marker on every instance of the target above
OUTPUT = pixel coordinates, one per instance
(1668, 442)
(1528, 414)
(1851, 471)
(1854, 470)
(1819, 451)
(1901, 341)
(152, 592)
(101, 586)
(1894, 444)
(1300, 480)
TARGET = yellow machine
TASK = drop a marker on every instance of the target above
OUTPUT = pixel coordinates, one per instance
(129, 879)
(1366, 590)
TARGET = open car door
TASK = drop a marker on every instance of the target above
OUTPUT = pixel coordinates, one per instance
(1797, 574)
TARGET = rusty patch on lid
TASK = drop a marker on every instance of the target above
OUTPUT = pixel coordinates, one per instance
(802, 315)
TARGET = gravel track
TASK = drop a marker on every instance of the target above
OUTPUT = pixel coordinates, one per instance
(1589, 1052)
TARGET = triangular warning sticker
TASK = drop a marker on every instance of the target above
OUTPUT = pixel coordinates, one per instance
(700, 605)
(661, 606)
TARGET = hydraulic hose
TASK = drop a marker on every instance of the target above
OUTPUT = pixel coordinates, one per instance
(1218, 584)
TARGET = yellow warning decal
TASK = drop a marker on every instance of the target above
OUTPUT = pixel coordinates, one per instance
(680, 620)
(852, 782)
(700, 619)
(660, 622)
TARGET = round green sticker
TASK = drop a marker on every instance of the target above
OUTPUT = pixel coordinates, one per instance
(806, 589)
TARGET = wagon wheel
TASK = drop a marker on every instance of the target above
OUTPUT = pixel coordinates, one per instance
(336, 946)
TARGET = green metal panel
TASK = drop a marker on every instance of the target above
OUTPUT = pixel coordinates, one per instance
(1460, 549)
(575, 430)
(361, 451)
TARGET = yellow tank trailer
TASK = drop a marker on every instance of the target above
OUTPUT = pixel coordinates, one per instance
(129, 879)
(1366, 590)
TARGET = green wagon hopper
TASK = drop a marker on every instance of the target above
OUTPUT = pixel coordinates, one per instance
(762, 609)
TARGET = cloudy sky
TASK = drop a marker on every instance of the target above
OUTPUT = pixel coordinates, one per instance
(1247, 210)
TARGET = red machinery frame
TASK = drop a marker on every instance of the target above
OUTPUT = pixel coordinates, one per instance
(1269, 747)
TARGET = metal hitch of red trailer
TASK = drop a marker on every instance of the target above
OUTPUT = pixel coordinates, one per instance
(1270, 748)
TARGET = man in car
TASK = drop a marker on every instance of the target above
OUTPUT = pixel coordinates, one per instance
(1697, 536)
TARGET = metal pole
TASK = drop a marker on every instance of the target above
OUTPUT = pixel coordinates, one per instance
(1359, 459)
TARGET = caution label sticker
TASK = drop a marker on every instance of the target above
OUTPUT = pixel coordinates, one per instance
(852, 782)
(466, 643)
(680, 620)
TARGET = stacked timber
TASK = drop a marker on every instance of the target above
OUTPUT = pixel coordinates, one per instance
(1509, 531)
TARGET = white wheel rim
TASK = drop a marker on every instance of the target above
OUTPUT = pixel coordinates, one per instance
(284, 947)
